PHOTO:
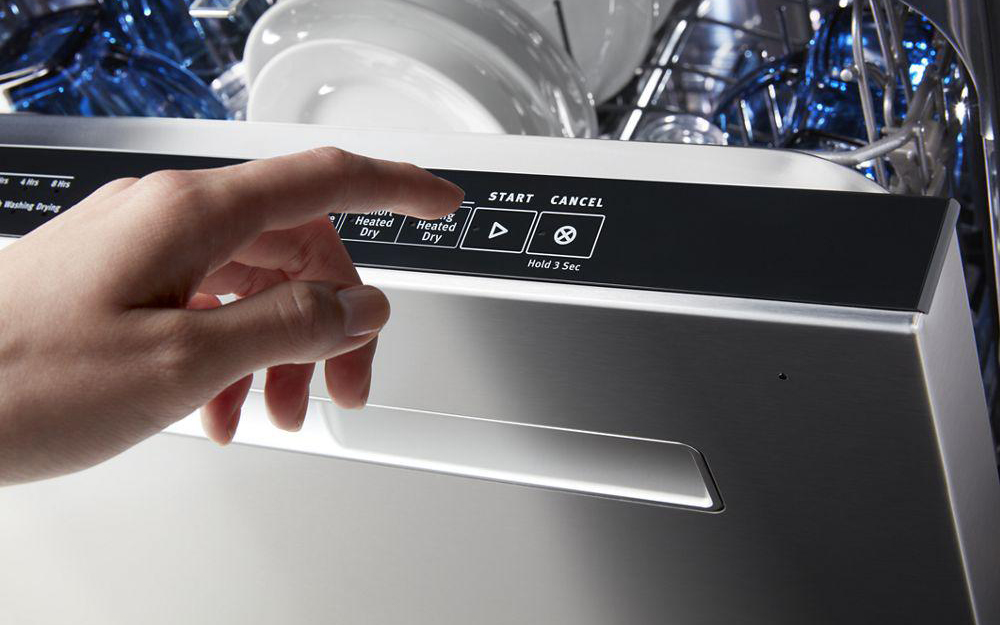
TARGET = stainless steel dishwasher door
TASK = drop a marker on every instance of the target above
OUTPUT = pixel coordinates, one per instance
(849, 479)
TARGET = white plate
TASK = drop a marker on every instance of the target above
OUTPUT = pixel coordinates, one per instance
(491, 49)
(608, 38)
(353, 84)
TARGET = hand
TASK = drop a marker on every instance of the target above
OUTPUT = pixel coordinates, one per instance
(110, 325)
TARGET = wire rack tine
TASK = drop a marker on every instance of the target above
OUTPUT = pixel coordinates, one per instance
(861, 70)
(896, 44)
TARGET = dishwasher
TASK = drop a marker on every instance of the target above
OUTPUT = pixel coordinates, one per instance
(712, 339)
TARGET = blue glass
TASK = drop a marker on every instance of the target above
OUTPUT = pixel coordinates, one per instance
(164, 27)
(52, 95)
(229, 36)
(107, 79)
(146, 84)
(834, 51)
(47, 40)
(834, 104)
(811, 96)
(13, 17)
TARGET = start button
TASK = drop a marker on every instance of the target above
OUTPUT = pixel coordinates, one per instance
(499, 230)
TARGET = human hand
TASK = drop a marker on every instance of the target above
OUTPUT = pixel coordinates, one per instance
(110, 324)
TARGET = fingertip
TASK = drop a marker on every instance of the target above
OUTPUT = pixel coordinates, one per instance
(291, 421)
(203, 301)
(286, 395)
(300, 416)
(221, 415)
(349, 377)
(220, 430)
(234, 422)
(366, 310)
(457, 192)
(347, 404)
(367, 390)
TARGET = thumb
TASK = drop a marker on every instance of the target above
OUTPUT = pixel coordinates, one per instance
(290, 322)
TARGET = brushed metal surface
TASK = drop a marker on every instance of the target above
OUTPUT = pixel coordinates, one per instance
(839, 505)
(965, 442)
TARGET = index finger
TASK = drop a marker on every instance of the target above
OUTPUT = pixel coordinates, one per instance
(239, 202)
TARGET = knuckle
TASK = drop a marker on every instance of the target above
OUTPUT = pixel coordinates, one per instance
(334, 158)
(177, 349)
(251, 283)
(117, 184)
(307, 316)
(413, 169)
(167, 180)
(309, 250)
(172, 188)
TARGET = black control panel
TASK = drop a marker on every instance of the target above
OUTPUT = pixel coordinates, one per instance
(849, 249)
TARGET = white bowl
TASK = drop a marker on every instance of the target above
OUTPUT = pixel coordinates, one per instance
(491, 49)
(347, 83)
(608, 38)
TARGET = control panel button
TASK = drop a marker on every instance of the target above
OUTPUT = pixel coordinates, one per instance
(499, 230)
(570, 235)
(376, 227)
(442, 232)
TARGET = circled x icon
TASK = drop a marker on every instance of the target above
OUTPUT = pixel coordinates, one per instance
(564, 235)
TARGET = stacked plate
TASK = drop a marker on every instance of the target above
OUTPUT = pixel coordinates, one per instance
(608, 38)
(462, 65)
(500, 66)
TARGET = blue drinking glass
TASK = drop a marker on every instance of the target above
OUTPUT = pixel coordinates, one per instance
(13, 17)
(105, 78)
(835, 104)
(164, 27)
(147, 84)
(816, 107)
(43, 46)
(229, 35)
(46, 40)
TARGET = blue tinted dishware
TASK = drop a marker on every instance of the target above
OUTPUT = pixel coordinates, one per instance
(103, 77)
(833, 92)
(12, 18)
(166, 28)
(48, 39)
(229, 24)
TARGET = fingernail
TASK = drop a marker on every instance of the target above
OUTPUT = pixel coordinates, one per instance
(365, 309)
